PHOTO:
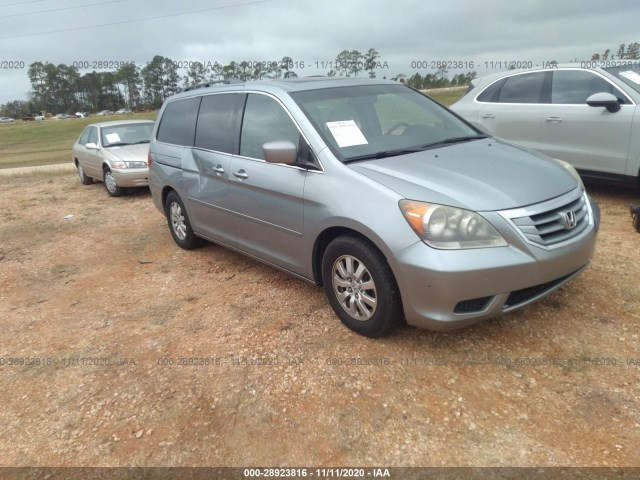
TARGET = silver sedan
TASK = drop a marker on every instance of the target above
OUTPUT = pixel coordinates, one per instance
(115, 153)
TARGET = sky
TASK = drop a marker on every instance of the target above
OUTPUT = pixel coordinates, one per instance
(408, 34)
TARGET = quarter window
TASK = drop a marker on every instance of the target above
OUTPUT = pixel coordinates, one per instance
(265, 121)
(178, 125)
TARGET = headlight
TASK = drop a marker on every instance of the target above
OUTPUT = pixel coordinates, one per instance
(120, 164)
(450, 228)
(569, 168)
(137, 164)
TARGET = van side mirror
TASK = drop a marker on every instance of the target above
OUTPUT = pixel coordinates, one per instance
(280, 152)
(91, 146)
(606, 100)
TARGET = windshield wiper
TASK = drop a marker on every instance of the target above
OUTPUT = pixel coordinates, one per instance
(384, 154)
(462, 139)
(419, 148)
(141, 141)
(117, 144)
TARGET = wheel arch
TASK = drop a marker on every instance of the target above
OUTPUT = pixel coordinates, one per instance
(325, 238)
(166, 190)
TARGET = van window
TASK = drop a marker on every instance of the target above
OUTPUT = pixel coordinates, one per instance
(215, 127)
(178, 124)
(265, 121)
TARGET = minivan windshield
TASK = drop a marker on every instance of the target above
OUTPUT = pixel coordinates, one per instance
(376, 121)
(629, 74)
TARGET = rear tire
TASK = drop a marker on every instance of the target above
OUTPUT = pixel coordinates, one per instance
(83, 176)
(179, 224)
(361, 287)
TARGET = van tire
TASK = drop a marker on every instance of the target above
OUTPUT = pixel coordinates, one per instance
(179, 224)
(361, 287)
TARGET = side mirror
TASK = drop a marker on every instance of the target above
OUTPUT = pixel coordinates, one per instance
(606, 100)
(91, 146)
(280, 152)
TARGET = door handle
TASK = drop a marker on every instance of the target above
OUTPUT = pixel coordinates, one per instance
(488, 115)
(218, 169)
(240, 174)
(554, 119)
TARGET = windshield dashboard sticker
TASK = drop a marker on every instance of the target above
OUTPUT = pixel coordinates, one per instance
(112, 137)
(346, 133)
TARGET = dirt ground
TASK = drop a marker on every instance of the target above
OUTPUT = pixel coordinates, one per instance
(120, 349)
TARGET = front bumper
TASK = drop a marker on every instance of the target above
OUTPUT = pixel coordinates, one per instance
(446, 289)
(131, 177)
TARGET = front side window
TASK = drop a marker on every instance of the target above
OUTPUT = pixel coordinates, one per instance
(84, 137)
(526, 88)
(93, 136)
(265, 121)
(375, 121)
(575, 86)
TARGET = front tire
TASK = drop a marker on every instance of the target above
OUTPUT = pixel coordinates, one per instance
(110, 184)
(361, 287)
(179, 224)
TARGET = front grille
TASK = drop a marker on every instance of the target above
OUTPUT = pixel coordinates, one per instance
(552, 226)
(519, 297)
(472, 306)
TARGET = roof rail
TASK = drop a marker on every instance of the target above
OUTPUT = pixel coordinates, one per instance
(226, 81)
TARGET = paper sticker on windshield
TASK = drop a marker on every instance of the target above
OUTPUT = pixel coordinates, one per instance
(631, 75)
(346, 133)
(112, 137)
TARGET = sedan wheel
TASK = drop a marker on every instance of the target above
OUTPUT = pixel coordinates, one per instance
(110, 183)
(83, 177)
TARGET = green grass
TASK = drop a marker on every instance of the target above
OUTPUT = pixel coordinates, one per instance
(447, 97)
(27, 144)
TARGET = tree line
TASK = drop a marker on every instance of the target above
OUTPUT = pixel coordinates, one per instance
(62, 88)
(624, 52)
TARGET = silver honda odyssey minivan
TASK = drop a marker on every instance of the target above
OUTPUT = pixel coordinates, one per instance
(398, 207)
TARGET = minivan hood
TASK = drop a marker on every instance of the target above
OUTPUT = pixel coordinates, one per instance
(131, 153)
(480, 175)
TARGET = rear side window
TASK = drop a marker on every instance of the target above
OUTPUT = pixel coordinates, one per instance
(492, 93)
(525, 88)
(178, 124)
(215, 130)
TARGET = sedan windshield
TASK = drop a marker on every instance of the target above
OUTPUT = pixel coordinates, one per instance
(376, 121)
(629, 74)
(126, 134)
